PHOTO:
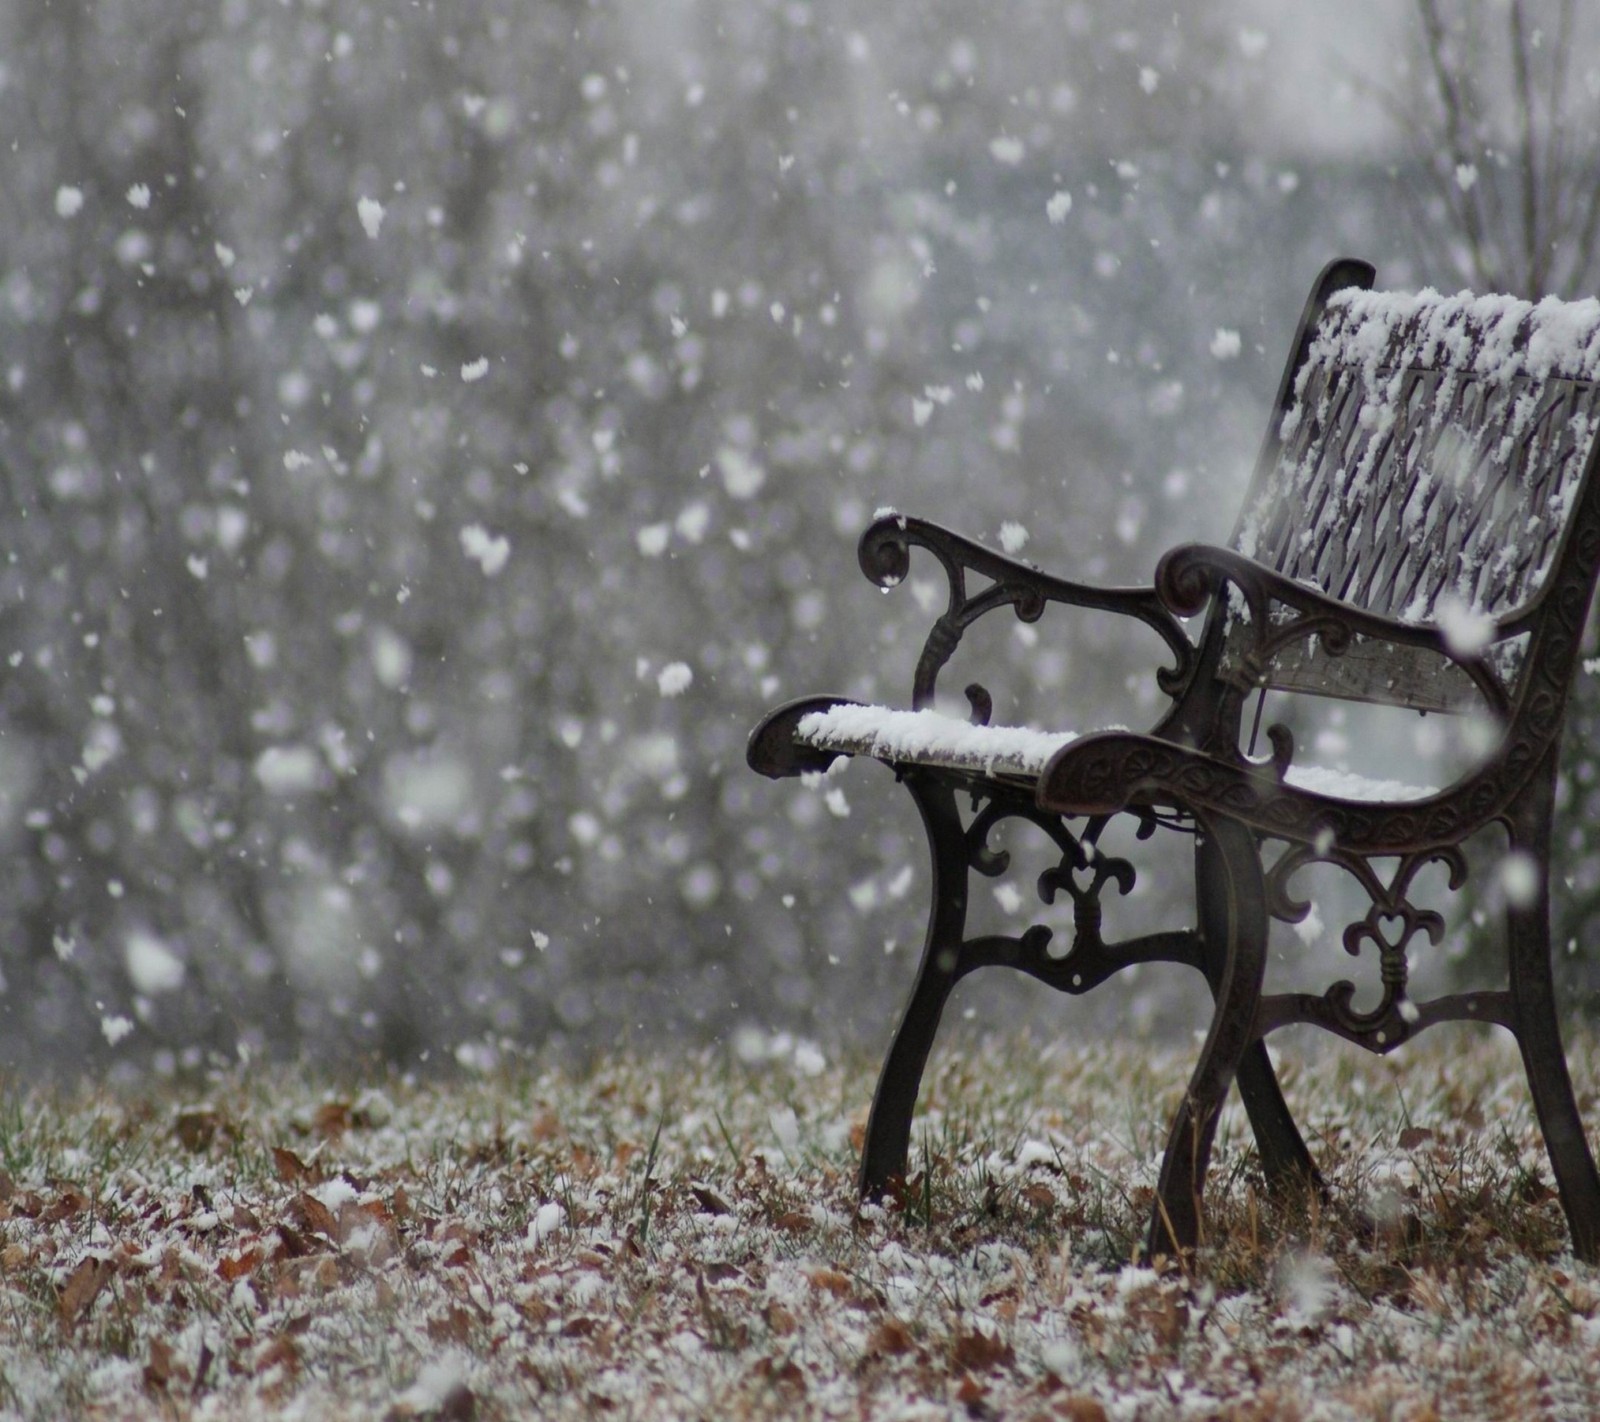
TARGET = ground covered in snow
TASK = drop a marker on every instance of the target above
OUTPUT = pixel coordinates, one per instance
(678, 1237)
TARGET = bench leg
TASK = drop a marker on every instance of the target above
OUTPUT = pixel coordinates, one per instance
(883, 1159)
(1285, 1160)
(1234, 927)
(1538, 1032)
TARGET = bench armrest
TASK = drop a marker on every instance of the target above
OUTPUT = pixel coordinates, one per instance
(1189, 575)
(885, 557)
(1111, 771)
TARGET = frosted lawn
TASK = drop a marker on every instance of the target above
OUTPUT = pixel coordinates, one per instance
(678, 1238)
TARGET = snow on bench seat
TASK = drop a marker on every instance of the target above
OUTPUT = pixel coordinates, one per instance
(1020, 752)
(1347, 785)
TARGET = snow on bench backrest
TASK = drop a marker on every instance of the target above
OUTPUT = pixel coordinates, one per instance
(1425, 470)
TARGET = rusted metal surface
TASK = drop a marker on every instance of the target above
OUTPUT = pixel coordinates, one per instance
(1398, 473)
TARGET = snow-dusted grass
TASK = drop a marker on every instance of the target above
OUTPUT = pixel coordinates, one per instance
(678, 1237)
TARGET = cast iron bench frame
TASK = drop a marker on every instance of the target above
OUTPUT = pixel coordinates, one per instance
(1268, 624)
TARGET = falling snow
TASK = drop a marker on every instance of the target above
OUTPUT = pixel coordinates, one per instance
(489, 552)
(674, 679)
(1225, 344)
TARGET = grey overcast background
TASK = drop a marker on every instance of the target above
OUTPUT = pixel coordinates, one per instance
(430, 434)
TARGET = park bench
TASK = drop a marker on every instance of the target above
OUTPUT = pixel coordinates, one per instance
(1422, 531)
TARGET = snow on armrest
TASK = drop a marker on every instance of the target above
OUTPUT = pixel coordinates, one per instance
(931, 738)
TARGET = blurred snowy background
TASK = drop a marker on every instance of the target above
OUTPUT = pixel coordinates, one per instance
(430, 434)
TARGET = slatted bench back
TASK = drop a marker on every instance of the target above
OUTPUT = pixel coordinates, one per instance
(1430, 454)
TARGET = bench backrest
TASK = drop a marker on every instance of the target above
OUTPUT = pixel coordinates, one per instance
(1429, 451)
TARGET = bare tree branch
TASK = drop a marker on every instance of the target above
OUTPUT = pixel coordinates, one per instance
(1528, 154)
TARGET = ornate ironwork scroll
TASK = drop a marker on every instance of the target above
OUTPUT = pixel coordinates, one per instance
(1391, 922)
(1082, 872)
(885, 557)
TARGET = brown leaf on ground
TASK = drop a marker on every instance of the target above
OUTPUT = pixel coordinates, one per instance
(291, 1169)
(785, 1376)
(459, 1404)
(281, 1352)
(978, 1352)
(1080, 1407)
(308, 1213)
(239, 1262)
(198, 1127)
(69, 1202)
(970, 1393)
(332, 1119)
(452, 1326)
(1041, 1197)
(890, 1338)
(163, 1367)
(546, 1126)
(709, 1201)
(831, 1281)
(1413, 1136)
(246, 1218)
(83, 1287)
(293, 1244)
(370, 1229)
(29, 1204)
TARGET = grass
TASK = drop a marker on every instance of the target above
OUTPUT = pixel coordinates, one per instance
(665, 1238)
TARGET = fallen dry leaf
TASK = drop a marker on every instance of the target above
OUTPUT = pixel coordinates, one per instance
(197, 1128)
(162, 1367)
(978, 1352)
(281, 1352)
(308, 1213)
(709, 1201)
(239, 1262)
(291, 1169)
(69, 1202)
(83, 1286)
(332, 1119)
(831, 1281)
(970, 1393)
(452, 1326)
(786, 1375)
(889, 1339)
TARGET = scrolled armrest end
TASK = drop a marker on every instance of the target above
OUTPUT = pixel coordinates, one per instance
(1186, 577)
(884, 551)
(774, 749)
